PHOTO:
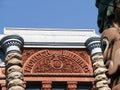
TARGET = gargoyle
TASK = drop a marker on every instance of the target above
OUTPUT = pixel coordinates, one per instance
(110, 40)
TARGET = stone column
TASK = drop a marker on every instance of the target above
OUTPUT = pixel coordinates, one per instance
(72, 85)
(46, 85)
(93, 44)
(12, 46)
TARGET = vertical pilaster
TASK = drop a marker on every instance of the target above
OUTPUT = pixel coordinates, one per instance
(12, 46)
(3, 86)
(72, 85)
(46, 85)
(93, 44)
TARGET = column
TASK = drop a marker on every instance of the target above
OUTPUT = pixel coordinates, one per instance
(3, 86)
(46, 85)
(93, 45)
(72, 85)
(12, 46)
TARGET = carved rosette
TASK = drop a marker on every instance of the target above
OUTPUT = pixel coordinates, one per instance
(56, 61)
(94, 46)
(12, 46)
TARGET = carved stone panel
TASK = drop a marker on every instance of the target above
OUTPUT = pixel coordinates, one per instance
(56, 61)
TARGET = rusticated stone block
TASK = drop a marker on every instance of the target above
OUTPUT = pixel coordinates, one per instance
(16, 88)
(14, 68)
(14, 75)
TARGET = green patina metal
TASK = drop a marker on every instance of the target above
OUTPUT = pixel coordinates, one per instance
(105, 13)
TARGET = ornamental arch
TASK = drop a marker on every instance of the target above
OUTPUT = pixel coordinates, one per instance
(56, 61)
(50, 68)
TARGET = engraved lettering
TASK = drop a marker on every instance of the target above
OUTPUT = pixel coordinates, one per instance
(34, 59)
(78, 60)
(46, 62)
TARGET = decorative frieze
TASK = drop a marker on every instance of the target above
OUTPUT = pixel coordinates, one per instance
(12, 43)
(93, 44)
(56, 61)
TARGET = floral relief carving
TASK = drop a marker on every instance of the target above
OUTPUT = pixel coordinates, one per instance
(50, 65)
(27, 53)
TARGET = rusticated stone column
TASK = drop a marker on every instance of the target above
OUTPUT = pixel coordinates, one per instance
(12, 46)
(93, 44)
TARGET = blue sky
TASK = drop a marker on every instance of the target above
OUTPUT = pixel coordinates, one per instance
(69, 14)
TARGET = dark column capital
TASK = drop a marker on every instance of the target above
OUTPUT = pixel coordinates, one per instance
(12, 43)
(93, 44)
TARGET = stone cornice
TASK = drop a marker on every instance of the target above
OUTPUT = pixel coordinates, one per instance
(52, 38)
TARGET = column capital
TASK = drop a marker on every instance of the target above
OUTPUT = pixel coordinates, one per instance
(12, 43)
(93, 44)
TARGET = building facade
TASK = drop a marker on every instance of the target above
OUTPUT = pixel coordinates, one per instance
(52, 59)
